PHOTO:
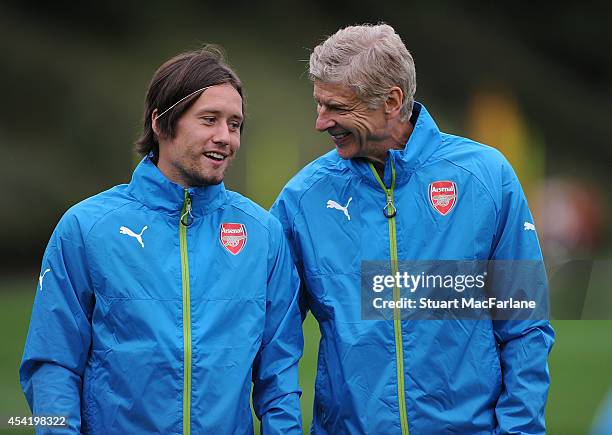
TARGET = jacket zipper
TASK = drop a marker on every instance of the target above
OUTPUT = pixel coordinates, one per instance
(390, 211)
(185, 214)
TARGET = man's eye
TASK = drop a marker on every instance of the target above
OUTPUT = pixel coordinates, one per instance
(208, 120)
(335, 109)
(234, 126)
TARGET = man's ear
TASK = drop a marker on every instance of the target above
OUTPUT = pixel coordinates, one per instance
(154, 122)
(395, 99)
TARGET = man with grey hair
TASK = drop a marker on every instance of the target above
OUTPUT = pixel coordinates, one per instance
(395, 188)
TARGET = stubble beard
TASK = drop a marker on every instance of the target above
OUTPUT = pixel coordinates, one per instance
(195, 178)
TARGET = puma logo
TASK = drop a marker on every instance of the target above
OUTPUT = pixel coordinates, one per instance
(528, 226)
(334, 204)
(128, 232)
(41, 277)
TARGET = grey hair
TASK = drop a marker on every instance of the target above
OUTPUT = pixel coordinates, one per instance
(370, 59)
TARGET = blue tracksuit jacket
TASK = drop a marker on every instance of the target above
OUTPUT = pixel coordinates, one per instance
(142, 325)
(417, 376)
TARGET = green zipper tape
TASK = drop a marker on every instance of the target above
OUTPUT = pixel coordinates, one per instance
(390, 211)
(186, 318)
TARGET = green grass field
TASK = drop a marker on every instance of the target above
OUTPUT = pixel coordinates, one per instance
(580, 365)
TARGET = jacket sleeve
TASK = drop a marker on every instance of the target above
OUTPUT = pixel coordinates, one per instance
(59, 336)
(524, 345)
(281, 210)
(276, 393)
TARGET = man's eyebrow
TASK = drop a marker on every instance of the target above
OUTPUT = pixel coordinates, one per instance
(331, 104)
(205, 111)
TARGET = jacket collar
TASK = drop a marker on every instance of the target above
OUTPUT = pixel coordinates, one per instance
(154, 190)
(423, 142)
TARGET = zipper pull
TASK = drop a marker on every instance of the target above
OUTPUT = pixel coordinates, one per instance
(186, 216)
(389, 210)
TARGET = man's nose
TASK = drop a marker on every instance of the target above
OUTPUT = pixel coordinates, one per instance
(324, 121)
(222, 134)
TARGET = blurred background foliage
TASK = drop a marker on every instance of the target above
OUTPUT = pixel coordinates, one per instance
(534, 80)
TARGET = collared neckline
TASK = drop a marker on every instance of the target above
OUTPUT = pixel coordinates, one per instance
(154, 190)
(423, 142)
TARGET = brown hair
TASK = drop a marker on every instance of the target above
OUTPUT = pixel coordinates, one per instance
(175, 79)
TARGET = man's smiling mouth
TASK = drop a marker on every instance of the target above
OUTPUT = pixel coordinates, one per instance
(340, 136)
(215, 156)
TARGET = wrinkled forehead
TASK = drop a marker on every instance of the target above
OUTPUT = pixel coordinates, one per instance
(333, 93)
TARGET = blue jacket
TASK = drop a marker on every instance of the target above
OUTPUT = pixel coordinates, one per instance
(142, 325)
(417, 376)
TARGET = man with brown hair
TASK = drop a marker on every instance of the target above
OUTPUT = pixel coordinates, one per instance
(161, 301)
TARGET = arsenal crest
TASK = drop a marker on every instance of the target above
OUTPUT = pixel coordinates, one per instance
(443, 196)
(233, 237)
